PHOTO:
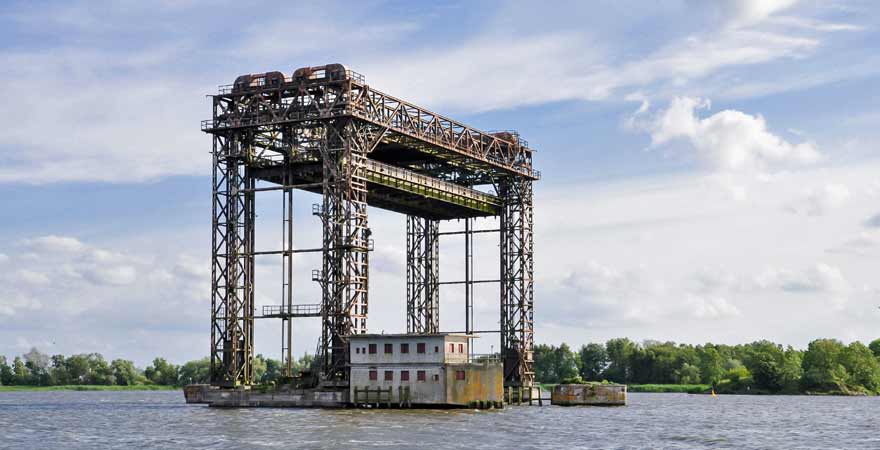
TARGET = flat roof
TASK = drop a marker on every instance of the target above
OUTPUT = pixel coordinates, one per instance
(410, 335)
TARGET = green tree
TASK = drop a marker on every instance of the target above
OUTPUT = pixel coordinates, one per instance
(738, 375)
(196, 371)
(821, 364)
(37, 363)
(619, 352)
(766, 362)
(100, 371)
(259, 366)
(273, 371)
(862, 366)
(58, 372)
(22, 374)
(162, 372)
(688, 374)
(7, 376)
(543, 355)
(124, 372)
(304, 363)
(566, 363)
(593, 361)
(78, 369)
(710, 363)
(875, 347)
(792, 371)
(555, 364)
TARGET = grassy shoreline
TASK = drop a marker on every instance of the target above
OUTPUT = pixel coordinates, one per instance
(88, 387)
(670, 388)
(656, 388)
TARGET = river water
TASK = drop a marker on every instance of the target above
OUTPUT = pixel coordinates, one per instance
(161, 420)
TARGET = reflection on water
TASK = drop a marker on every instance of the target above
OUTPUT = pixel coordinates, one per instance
(111, 420)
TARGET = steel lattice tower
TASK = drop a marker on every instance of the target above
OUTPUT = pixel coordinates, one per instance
(326, 131)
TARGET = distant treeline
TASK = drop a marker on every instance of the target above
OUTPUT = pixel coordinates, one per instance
(36, 368)
(826, 366)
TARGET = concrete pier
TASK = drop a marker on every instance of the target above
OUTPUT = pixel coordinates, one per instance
(593, 394)
(282, 398)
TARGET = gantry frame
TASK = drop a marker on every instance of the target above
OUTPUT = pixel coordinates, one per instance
(325, 130)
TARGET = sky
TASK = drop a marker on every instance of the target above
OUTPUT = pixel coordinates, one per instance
(710, 170)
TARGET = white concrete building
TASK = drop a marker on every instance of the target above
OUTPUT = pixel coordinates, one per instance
(423, 369)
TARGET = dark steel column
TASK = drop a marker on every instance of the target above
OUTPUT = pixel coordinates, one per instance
(469, 278)
(517, 283)
(346, 245)
(232, 266)
(422, 275)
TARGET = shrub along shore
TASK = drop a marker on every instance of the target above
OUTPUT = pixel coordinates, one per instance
(36, 370)
(88, 387)
(825, 367)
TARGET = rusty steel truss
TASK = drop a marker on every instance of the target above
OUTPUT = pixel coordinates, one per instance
(326, 131)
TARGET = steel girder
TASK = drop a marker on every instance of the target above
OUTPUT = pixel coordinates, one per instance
(422, 275)
(346, 245)
(232, 267)
(517, 281)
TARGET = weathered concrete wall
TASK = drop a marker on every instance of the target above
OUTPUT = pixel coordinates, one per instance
(455, 348)
(430, 391)
(483, 382)
(360, 349)
(298, 398)
(589, 394)
(195, 393)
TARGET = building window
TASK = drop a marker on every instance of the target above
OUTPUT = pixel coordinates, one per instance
(374, 375)
(404, 375)
(459, 375)
(404, 348)
(420, 375)
(372, 349)
(436, 349)
(461, 348)
(389, 348)
(357, 350)
(451, 348)
(436, 377)
(389, 375)
(420, 347)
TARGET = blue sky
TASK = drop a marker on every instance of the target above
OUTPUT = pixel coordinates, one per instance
(710, 168)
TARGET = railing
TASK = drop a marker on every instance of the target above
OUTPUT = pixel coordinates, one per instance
(487, 357)
(305, 310)
(431, 182)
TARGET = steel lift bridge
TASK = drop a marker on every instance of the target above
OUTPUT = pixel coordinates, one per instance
(326, 131)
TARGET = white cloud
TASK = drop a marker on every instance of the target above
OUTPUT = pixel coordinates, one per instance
(819, 278)
(865, 244)
(113, 275)
(818, 202)
(873, 221)
(32, 277)
(749, 12)
(710, 308)
(728, 140)
(51, 244)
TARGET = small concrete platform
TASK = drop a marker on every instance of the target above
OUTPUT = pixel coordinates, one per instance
(592, 394)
